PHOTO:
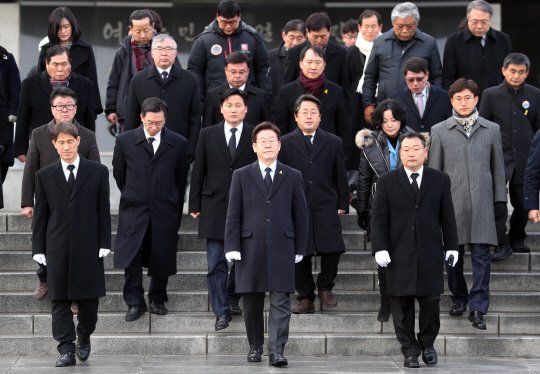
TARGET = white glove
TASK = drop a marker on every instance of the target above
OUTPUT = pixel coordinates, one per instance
(40, 259)
(103, 252)
(382, 258)
(455, 254)
(298, 258)
(12, 118)
(234, 255)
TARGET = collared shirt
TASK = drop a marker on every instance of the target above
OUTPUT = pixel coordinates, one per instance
(228, 132)
(241, 88)
(312, 136)
(168, 70)
(263, 169)
(157, 138)
(424, 96)
(419, 178)
(483, 40)
(393, 154)
(65, 165)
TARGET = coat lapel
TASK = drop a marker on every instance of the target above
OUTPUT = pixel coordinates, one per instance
(60, 178)
(82, 174)
(222, 141)
(319, 142)
(140, 138)
(245, 139)
(298, 88)
(73, 82)
(427, 179)
(407, 96)
(45, 83)
(164, 144)
(256, 174)
(279, 174)
(433, 95)
(325, 92)
(404, 183)
(299, 142)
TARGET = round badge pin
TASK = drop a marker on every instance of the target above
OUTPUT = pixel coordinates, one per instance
(216, 49)
(526, 105)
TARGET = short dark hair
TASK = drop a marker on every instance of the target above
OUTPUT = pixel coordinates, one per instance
(140, 14)
(295, 25)
(398, 111)
(265, 126)
(412, 135)
(415, 65)
(463, 84)
(228, 9)
(306, 97)
(318, 21)
(54, 24)
(233, 91)
(64, 127)
(517, 59)
(156, 18)
(64, 92)
(237, 58)
(317, 50)
(369, 13)
(57, 50)
(154, 105)
(350, 26)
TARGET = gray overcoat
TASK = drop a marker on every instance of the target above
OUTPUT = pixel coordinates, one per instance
(475, 165)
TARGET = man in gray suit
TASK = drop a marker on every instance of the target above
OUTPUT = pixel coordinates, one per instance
(469, 149)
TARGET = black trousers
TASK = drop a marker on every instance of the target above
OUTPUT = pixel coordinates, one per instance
(518, 220)
(303, 278)
(63, 328)
(42, 273)
(403, 315)
(3, 170)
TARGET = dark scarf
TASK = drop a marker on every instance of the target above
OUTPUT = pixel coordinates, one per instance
(143, 58)
(312, 86)
(57, 84)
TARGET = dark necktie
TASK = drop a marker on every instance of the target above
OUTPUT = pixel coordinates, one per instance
(415, 184)
(71, 179)
(164, 75)
(310, 144)
(232, 143)
(151, 140)
(268, 179)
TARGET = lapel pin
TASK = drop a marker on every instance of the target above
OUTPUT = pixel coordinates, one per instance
(280, 172)
(326, 91)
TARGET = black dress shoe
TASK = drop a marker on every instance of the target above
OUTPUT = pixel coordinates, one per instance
(235, 310)
(477, 319)
(411, 362)
(501, 252)
(429, 356)
(458, 309)
(277, 359)
(67, 359)
(254, 355)
(82, 351)
(135, 312)
(520, 247)
(157, 308)
(222, 322)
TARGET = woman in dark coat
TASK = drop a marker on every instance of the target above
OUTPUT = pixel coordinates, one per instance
(64, 29)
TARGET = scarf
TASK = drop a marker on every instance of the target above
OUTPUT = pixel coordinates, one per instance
(365, 48)
(143, 58)
(312, 86)
(59, 83)
(468, 122)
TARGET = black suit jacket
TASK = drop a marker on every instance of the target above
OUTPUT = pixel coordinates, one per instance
(181, 93)
(278, 59)
(71, 234)
(412, 230)
(212, 175)
(35, 109)
(258, 105)
(438, 108)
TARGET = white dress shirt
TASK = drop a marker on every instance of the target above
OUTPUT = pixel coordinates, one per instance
(157, 139)
(168, 70)
(312, 136)
(227, 128)
(419, 179)
(65, 165)
(241, 88)
(263, 169)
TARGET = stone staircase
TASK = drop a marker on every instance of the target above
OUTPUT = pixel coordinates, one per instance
(513, 322)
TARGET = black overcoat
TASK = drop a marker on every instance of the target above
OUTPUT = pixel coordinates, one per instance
(277, 68)
(325, 186)
(412, 230)
(11, 81)
(212, 175)
(152, 190)
(267, 228)
(69, 228)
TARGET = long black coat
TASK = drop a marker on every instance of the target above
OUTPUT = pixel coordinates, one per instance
(325, 186)
(179, 91)
(531, 181)
(11, 81)
(212, 175)
(412, 231)
(278, 59)
(35, 109)
(355, 67)
(258, 106)
(70, 227)
(152, 190)
(267, 228)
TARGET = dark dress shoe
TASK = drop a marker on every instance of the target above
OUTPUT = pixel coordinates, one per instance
(235, 310)
(41, 291)
(305, 306)
(477, 319)
(520, 247)
(458, 309)
(254, 355)
(67, 359)
(82, 351)
(135, 312)
(157, 308)
(277, 359)
(328, 299)
(411, 362)
(429, 356)
(222, 322)
(501, 252)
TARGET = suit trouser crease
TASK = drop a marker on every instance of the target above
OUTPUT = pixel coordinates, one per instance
(518, 219)
(304, 283)
(63, 328)
(254, 318)
(278, 321)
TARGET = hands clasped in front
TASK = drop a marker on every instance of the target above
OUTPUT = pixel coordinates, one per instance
(235, 255)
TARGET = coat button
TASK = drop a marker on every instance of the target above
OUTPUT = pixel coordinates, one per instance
(267, 201)
(526, 198)
(230, 169)
(311, 162)
(268, 220)
(413, 228)
(162, 90)
(515, 130)
(417, 207)
(265, 240)
(514, 149)
(412, 249)
(310, 182)
(514, 113)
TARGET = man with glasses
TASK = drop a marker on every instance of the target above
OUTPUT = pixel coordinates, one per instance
(172, 84)
(478, 51)
(150, 167)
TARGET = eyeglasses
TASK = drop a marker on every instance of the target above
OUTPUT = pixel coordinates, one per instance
(418, 79)
(265, 142)
(463, 99)
(349, 36)
(234, 22)
(159, 124)
(235, 72)
(304, 113)
(62, 107)
(476, 22)
(168, 49)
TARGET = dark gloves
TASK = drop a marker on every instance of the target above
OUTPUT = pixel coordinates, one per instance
(363, 219)
(191, 159)
(501, 210)
(3, 150)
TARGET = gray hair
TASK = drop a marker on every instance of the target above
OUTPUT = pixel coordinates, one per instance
(405, 10)
(479, 5)
(161, 38)
(517, 59)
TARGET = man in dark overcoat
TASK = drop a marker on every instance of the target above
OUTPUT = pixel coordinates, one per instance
(222, 149)
(318, 155)
(71, 235)
(266, 234)
(150, 168)
(412, 217)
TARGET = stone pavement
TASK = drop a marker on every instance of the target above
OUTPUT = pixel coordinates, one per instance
(237, 364)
